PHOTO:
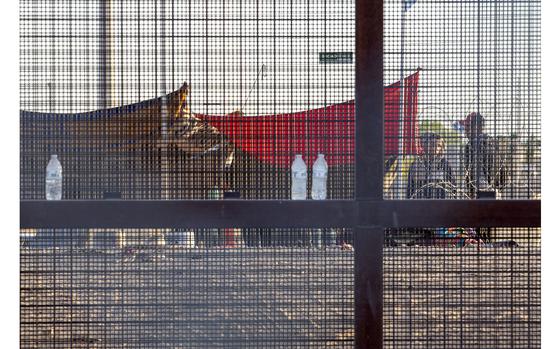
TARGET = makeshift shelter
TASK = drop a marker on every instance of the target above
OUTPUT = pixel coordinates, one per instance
(136, 151)
(160, 149)
(329, 130)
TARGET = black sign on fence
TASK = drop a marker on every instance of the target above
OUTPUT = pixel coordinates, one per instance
(336, 57)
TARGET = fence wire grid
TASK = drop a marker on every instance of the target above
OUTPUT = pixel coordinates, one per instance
(462, 288)
(175, 100)
(212, 100)
(190, 288)
(201, 288)
(163, 100)
(469, 127)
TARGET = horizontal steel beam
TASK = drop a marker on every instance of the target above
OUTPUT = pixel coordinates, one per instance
(278, 214)
(186, 214)
(451, 213)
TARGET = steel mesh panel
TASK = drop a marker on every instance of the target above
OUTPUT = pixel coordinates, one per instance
(185, 288)
(212, 99)
(174, 99)
(462, 288)
(471, 57)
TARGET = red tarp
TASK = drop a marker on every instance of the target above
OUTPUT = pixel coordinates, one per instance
(277, 138)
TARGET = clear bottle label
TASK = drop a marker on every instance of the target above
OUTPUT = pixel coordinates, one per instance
(320, 173)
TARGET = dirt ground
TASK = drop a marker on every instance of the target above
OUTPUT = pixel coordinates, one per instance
(277, 297)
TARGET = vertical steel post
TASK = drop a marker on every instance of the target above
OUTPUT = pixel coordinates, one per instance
(368, 279)
(369, 100)
(368, 287)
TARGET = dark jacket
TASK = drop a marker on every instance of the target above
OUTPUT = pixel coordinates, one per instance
(481, 165)
(430, 179)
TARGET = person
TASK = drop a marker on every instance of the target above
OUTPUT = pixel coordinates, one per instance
(482, 175)
(430, 176)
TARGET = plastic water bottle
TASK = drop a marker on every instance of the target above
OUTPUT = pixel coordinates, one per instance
(319, 184)
(330, 237)
(317, 238)
(213, 237)
(299, 179)
(53, 187)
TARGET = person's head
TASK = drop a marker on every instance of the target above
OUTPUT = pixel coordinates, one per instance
(432, 144)
(473, 124)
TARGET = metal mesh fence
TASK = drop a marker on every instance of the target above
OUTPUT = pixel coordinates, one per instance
(177, 100)
(452, 287)
(471, 127)
(289, 67)
(213, 99)
(211, 288)
(462, 288)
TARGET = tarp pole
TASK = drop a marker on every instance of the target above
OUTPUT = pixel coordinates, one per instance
(400, 189)
(105, 78)
(164, 112)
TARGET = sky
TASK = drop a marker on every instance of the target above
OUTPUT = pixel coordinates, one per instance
(475, 56)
